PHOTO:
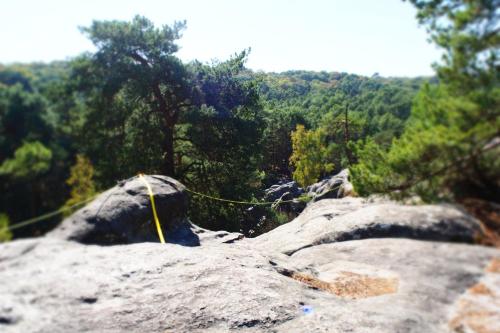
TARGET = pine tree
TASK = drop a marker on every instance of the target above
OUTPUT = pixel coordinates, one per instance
(450, 146)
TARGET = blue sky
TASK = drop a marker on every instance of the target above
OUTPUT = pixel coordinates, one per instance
(355, 36)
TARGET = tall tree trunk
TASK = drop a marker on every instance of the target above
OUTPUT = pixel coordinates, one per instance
(168, 157)
(168, 168)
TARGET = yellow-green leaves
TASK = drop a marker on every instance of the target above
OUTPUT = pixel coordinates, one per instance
(309, 156)
(80, 181)
(5, 233)
(30, 160)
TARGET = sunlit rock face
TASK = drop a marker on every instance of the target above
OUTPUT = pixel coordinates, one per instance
(336, 220)
(344, 265)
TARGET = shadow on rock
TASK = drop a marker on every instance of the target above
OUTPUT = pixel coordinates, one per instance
(123, 215)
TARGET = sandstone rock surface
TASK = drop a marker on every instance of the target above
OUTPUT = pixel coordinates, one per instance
(336, 220)
(344, 265)
(373, 285)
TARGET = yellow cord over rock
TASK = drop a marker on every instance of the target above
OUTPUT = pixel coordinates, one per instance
(153, 207)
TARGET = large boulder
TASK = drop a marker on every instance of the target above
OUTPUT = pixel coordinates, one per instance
(336, 220)
(123, 215)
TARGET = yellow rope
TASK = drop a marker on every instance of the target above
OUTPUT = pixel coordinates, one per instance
(46, 216)
(153, 207)
(231, 201)
(261, 203)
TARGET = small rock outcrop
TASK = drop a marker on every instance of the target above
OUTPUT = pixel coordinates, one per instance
(276, 192)
(286, 197)
(123, 215)
(336, 186)
(344, 265)
(286, 194)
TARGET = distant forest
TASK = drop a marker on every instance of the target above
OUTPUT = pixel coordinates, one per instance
(71, 129)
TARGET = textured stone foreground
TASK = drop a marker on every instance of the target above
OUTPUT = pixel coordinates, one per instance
(344, 265)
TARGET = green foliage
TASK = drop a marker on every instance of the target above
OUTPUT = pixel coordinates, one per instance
(277, 144)
(310, 156)
(218, 141)
(468, 32)
(376, 108)
(22, 118)
(133, 106)
(13, 75)
(200, 122)
(135, 64)
(5, 234)
(305, 198)
(342, 132)
(372, 173)
(279, 218)
(29, 161)
(81, 182)
(33, 148)
(449, 145)
(317, 94)
(437, 151)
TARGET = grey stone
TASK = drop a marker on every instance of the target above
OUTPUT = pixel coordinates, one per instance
(374, 285)
(51, 285)
(336, 186)
(123, 215)
(344, 265)
(289, 190)
(335, 220)
(286, 194)
(290, 204)
(395, 285)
